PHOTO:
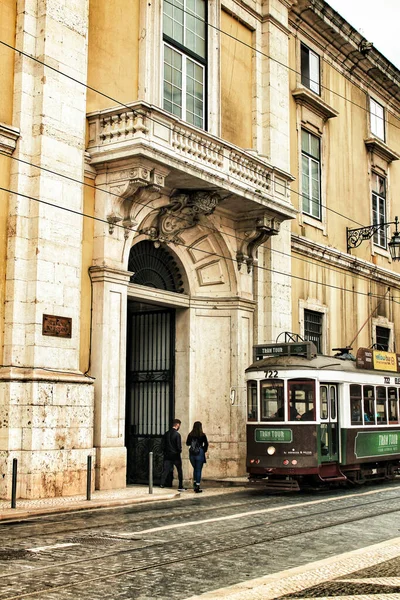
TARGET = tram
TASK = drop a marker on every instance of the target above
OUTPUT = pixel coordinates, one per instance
(315, 420)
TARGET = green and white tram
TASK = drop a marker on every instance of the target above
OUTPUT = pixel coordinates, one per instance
(315, 419)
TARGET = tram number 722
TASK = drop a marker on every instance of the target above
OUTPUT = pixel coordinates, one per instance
(271, 374)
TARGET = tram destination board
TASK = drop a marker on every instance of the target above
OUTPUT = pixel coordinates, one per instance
(306, 349)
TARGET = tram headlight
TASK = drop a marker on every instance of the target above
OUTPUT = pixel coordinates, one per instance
(271, 450)
(294, 462)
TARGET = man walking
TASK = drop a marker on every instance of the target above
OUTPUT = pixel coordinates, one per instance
(172, 446)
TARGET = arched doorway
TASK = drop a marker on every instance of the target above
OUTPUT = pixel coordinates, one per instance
(150, 373)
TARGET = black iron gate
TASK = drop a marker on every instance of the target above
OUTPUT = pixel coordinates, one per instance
(149, 387)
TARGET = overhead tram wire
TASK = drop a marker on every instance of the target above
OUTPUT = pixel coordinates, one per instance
(206, 252)
(292, 69)
(181, 218)
(158, 122)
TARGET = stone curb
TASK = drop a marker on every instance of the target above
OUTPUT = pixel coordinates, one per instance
(14, 514)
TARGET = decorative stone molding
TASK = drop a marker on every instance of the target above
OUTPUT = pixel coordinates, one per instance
(379, 148)
(8, 138)
(306, 98)
(183, 212)
(251, 234)
(143, 182)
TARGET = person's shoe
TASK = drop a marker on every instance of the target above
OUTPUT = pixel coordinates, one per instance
(182, 489)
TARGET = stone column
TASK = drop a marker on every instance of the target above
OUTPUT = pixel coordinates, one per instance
(44, 255)
(108, 367)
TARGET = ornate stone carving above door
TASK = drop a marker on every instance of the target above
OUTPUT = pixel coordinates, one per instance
(183, 212)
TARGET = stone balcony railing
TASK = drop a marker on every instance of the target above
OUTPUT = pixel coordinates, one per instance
(194, 158)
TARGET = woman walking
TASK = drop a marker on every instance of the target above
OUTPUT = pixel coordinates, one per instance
(198, 446)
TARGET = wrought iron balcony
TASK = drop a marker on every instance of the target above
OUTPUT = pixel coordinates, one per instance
(194, 159)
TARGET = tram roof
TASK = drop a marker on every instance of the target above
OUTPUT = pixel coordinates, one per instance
(319, 362)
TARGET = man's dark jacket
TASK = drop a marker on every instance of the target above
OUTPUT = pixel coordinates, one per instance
(172, 444)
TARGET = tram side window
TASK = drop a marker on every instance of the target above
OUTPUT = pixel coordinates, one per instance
(369, 404)
(252, 401)
(323, 394)
(301, 400)
(272, 401)
(381, 406)
(393, 405)
(355, 404)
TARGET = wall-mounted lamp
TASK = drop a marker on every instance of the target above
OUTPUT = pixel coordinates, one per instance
(356, 236)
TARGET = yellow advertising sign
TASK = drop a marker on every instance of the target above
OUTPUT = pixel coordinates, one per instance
(385, 361)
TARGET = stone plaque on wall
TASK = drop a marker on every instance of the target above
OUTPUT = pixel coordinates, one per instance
(57, 326)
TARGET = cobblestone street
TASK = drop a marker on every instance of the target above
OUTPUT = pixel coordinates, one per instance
(206, 544)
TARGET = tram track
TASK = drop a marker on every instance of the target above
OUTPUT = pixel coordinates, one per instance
(183, 554)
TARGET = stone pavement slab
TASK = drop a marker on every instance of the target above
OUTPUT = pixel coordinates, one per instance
(294, 584)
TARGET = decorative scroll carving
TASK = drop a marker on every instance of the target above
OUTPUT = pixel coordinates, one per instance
(183, 212)
(143, 182)
(252, 233)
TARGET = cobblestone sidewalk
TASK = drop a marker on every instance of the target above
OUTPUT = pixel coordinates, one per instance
(313, 580)
(133, 494)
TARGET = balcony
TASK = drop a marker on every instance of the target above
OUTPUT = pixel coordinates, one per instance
(194, 159)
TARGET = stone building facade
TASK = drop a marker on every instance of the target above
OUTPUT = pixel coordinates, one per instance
(155, 219)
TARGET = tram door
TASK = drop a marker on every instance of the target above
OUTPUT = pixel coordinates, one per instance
(329, 432)
(149, 388)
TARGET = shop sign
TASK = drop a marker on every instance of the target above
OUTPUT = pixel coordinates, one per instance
(385, 361)
(376, 443)
(377, 359)
(273, 435)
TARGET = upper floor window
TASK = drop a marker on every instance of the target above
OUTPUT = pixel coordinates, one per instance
(382, 338)
(311, 174)
(184, 31)
(310, 69)
(313, 328)
(377, 116)
(379, 209)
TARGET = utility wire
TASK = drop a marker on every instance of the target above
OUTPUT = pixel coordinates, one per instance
(188, 246)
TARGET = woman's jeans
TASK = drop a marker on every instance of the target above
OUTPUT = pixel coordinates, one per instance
(197, 463)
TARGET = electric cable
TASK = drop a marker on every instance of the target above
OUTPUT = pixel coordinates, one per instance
(200, 250)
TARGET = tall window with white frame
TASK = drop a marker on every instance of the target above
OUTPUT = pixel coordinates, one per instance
(313, 328)
(185, 51)
(310, 69)
(377, 118)
(311, 174)
(379, 209)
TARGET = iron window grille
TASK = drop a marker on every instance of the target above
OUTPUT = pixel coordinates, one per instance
(313, 328)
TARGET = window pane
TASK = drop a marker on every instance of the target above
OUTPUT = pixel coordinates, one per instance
(393, 405)
(314, 72)
(252, 401)
(369, 404)
(301, 400)
(324, 401)
(381, 405)
(355, 404)
(382, 338)
(377, 116)
(305, 66)
(272, 401)
(305, 141)
(314, 149)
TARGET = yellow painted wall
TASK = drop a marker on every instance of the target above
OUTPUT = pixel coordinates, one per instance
(113, 52)
(351, 298)
(7, 56)
(87, 260)
(236, 82)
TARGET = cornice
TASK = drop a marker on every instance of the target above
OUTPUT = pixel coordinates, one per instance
(381, 149)
(8, 138)
(307, 98)
(346, 262)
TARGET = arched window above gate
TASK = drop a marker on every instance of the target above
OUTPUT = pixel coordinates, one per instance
(154, 267)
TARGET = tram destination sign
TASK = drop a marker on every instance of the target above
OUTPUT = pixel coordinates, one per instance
(273, 435)
(306, 349)
(377, 359)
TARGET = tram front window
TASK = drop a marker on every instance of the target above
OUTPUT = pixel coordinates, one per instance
(301, 400)
(272, 401)
(381, 405)
(393, 405)
(355, 404)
